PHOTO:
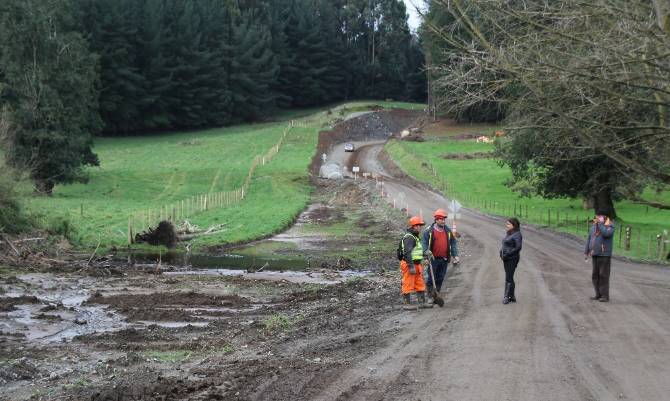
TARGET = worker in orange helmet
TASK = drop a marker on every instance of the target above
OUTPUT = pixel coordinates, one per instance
(439, 245)
(410, 254)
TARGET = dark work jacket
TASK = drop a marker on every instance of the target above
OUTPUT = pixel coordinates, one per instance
(511, 246)
(427, 240)
(600, 240)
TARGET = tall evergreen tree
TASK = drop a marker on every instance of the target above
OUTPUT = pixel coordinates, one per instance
(52, 76)
(111, 28)
(217, 38)
(155, 67)
(283, 50)
(253, 69)
(334, 76)
(312, 58)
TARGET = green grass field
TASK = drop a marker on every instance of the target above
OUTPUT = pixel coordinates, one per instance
(480, 184)
(141, 173)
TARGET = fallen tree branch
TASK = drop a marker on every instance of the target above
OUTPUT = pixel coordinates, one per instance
(93, 254)
(656, 205)
(263, 267)
(187, 237)
(636, 199)
(25, 240)
(10, 244)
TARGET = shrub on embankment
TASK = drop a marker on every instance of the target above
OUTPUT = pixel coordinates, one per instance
(12, 218)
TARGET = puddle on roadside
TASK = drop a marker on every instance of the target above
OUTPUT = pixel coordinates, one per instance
(173, 325)
(228, 261)
(60, 324)
(62, 312)
(258, 268)
(312, 277)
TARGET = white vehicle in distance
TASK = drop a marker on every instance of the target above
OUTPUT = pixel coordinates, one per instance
(348, 147)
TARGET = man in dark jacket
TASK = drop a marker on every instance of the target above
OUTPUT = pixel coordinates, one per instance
(599, 247)
(439, 244)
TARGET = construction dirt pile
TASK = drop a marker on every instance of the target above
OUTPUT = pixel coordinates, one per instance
(376, 125)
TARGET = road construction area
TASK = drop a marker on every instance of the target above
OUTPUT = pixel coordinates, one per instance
(335, 329)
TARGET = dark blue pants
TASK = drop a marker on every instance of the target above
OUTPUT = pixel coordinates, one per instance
(440, 268)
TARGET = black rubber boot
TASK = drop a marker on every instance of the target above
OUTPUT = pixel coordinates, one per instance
(505, 300)
(512, 297)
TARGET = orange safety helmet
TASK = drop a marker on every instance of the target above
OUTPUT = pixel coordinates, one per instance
(416, 221)
(440, 213)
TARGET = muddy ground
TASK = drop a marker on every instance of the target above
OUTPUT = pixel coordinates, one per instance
(138, 334)
(334, 330)
(120, 332)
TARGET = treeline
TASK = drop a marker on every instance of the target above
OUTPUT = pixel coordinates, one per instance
(71, 69)
(168, 64)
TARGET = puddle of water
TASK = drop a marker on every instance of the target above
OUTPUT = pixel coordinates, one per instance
(66, 296)
(228, 261)
(174, 325)
(93, 319)
(291, 276)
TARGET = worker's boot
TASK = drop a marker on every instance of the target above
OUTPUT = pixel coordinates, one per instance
(506, 299)
(407, 302)
(421, 297)
(512, 297)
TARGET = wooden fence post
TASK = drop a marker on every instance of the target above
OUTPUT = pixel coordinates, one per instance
(638, 243)
(130, 232)
(626, 244)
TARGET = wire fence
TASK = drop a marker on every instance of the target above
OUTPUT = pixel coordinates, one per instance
(631, 241)
(177, 211)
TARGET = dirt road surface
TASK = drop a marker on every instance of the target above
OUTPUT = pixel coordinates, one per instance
(553, 344)
(128, 332)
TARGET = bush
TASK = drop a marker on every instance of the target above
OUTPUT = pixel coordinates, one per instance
(61, 226)
(12, 218)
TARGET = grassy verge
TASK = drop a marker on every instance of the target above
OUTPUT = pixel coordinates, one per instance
(141, 173)
(479, 183)
(145, 172)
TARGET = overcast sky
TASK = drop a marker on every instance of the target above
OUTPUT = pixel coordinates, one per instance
(414, 18)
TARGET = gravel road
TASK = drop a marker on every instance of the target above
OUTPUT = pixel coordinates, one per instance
(553, 344)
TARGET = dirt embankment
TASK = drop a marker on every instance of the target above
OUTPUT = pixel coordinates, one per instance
(379, 124)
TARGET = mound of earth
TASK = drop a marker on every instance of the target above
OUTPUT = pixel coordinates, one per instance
(370, 126)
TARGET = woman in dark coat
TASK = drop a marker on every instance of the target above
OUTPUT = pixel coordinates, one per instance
(510, 253)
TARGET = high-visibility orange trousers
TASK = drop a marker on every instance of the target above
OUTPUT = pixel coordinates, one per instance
(412, 282)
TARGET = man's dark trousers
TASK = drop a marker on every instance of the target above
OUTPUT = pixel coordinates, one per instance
(440, 268)
(601, 276)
